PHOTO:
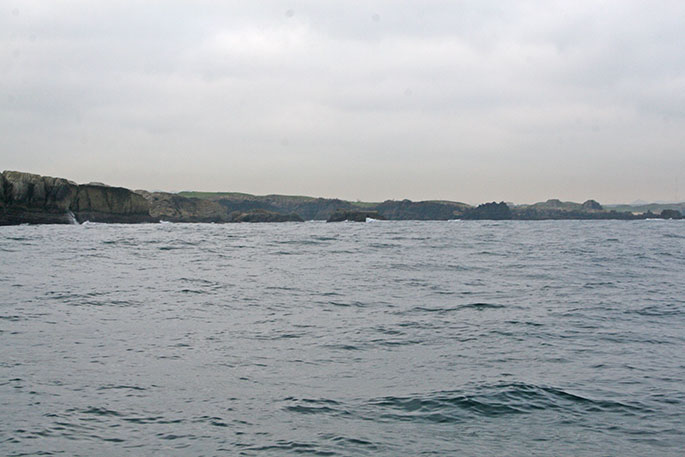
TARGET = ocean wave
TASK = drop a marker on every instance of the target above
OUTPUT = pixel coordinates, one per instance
(479, 306)
(491, 401)
(462, 405)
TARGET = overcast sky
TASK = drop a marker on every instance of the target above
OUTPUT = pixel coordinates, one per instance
(462, 100)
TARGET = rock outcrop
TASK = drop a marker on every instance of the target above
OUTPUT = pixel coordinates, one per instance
(310, 208)
(261, 215)
(671, 214)
(307, 208)
(592, 205)
(354, 216)
(35, 199)
(490, 211)
(556, 210)
(174, 208)
(100, 203)
(421, 211)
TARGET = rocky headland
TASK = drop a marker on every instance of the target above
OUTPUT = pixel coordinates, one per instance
(33, 199)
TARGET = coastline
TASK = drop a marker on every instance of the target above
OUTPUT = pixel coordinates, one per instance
(27, 198)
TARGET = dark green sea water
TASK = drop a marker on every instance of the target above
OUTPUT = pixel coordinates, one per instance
(385, 338)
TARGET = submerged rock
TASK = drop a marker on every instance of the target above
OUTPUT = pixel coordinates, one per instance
(354, 216)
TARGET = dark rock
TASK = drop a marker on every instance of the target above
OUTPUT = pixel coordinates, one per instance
(310, 208)
(2, 190)
(592, 205)
(491, 211)
(671, 214)
(35, 199)
(307, 208)
(174, 208)
(97, 203)
(261, 215)
(421, 211)
(558, 210)
(354, 216)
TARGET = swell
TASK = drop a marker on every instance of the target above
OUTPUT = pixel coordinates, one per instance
(479, 306)
(462, 405)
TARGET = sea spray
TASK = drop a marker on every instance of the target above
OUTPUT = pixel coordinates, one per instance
(72, 218)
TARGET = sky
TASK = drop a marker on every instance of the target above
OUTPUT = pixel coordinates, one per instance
(370, 100)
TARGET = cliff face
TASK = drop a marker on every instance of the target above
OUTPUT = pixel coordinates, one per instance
(99, 203)
(555, 210)
(322, 208)
(35, 199)
(174, 208)
(420, 211)
(489, 211)
(306, 207)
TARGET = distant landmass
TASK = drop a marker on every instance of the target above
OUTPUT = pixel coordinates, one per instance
(27, 198)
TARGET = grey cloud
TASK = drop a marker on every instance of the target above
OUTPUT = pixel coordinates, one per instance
(470, 100)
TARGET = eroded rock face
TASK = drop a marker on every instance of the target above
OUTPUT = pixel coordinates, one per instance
(306, 207)
(2, 190)
(99, 203)
(35, 199)
(491, 211)
(426, 210)
(174, 208)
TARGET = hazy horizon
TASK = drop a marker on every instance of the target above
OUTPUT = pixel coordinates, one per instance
(473, 102)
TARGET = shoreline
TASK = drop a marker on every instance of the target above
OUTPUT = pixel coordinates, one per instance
(27, 198)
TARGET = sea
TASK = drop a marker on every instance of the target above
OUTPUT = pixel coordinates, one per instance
(385, 338)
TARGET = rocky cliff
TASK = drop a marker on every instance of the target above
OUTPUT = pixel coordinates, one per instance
(556, 209)
(99, 203)
(174, 208)
(420, 211)
(309, 208)
(35, 199)
(490, 211)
